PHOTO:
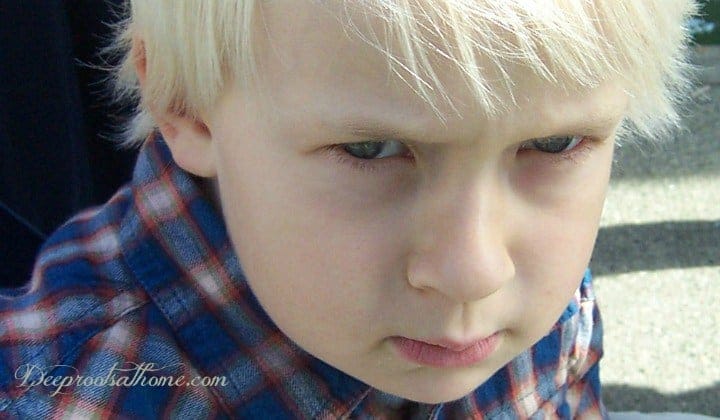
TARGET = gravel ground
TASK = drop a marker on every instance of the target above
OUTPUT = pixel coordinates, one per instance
(657, 265)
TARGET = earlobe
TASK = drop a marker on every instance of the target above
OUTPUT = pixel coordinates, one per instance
(190, 143)
(189, 139)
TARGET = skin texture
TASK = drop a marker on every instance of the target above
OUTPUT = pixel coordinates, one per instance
(459, 236)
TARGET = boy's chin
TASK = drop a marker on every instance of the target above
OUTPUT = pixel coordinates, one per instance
(439, 391)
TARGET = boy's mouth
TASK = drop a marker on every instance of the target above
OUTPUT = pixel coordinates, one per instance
(445, 352)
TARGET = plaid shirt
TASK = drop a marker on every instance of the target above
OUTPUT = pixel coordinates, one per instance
(147, 289)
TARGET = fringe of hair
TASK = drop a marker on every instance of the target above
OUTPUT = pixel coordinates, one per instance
(194, 48)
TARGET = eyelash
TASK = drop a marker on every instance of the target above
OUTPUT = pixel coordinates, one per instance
(364, 165)
(573, 156)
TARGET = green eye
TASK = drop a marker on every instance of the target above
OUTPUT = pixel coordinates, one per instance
(368, 150)
(364, 150)
(372, 156)
(553, 145)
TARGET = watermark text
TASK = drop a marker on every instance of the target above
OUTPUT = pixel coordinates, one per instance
(128, 375)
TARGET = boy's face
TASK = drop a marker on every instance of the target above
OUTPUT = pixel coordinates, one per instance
(451, 235)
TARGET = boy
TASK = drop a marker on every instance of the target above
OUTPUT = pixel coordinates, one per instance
(378, 209)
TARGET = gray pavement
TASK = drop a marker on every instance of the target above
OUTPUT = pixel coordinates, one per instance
(657, 265)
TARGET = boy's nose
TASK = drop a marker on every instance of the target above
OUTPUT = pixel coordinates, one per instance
(463, 255)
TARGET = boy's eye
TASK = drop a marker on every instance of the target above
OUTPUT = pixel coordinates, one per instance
(553, 145)
(372, 156)
(374, 149)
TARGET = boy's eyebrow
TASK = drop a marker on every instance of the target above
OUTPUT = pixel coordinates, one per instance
(373, 129)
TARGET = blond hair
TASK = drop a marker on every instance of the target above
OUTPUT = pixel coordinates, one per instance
(194, 48)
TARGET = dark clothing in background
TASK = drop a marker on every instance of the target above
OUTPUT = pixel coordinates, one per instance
(54, 114)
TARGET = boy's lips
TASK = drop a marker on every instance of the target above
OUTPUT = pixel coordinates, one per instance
(445, 352)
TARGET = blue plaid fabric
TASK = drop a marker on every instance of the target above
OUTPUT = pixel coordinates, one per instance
(139, 309)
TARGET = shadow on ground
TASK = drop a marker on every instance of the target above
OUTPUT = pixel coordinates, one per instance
(656, 246)
(628, 398)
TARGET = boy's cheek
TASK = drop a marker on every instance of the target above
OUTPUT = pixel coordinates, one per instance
(561, 212)
(552, 249)
(323, 249)
(556, 242)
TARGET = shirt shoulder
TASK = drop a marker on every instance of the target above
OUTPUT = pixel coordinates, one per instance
(82, 315)
(79, 282)
(120, 318)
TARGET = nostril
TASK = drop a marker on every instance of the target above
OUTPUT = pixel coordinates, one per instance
(419, 273)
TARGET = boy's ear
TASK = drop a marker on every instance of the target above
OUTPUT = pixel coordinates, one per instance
(189, 139)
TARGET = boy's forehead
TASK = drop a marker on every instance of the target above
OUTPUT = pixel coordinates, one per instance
(318, 69)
